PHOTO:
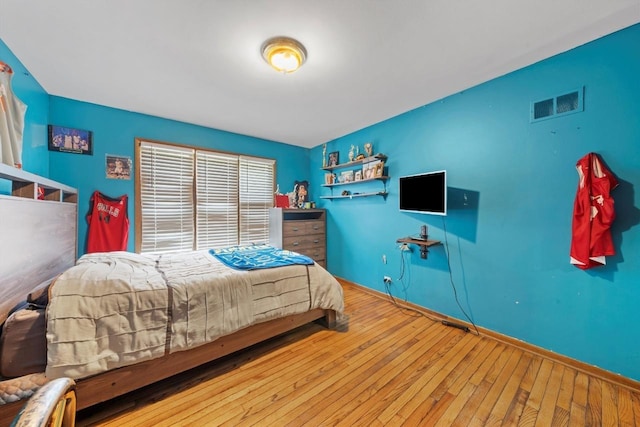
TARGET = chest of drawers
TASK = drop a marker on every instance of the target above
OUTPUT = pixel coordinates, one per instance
(300, 230)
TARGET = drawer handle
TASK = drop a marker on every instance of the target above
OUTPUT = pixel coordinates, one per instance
(295, 243)
(315, 227)
(295, 228)
(316, 241)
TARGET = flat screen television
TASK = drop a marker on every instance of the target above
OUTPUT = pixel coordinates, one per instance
(424, 193)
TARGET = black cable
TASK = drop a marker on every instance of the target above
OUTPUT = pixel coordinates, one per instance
(402, 271)
(387, 286)
(455, 292)
(405, 308)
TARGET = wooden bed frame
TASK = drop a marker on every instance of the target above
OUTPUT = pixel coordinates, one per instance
(44, 240)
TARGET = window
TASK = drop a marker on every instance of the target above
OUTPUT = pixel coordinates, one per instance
(217, 199)
(165, 198)
(192, 198)
(256, 197)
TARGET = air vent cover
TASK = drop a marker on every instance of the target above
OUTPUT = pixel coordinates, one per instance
(561, 105)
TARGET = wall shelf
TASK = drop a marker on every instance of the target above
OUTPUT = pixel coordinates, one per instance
(379, 178)
(357, 162)
(352, 196)
(367, 165)
(424, 244)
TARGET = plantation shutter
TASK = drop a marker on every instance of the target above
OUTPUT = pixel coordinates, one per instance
(166, 198)
(256, 197)
(217, 200)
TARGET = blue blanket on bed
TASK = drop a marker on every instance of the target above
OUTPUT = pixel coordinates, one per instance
(258, 256)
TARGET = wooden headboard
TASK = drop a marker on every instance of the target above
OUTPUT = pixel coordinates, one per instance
(39, 236)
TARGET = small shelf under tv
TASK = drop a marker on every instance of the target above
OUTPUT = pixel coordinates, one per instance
(424, 244)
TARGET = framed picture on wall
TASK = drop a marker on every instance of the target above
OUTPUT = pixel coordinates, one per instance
(118, 167)
(70, 140)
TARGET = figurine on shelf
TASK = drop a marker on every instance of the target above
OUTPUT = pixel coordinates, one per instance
(352, 152)
(328, 178)
(301, 193)
(368, 148)
(324, 155)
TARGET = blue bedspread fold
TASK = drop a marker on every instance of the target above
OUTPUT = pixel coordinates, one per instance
(256, 257)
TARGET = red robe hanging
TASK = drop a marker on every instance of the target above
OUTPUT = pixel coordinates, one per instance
(108, 223)
(593, 214)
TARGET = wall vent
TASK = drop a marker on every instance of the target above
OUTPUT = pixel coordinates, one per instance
(561, 105)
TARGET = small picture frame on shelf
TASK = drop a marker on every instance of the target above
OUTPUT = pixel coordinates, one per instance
(369, 170)
(334, 158)
(358, 176)
(347, 176)
(379, 169)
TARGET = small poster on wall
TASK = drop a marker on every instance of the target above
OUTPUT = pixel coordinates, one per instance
(70, 140)
(118, 167)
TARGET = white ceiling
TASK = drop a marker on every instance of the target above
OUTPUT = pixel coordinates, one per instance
(199, 61)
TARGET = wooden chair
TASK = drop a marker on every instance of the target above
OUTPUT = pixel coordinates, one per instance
(54, 404)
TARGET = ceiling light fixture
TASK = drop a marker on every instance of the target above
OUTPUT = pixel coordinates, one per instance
(284, 54)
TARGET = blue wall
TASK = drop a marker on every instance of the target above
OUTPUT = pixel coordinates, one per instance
(508, 243)
(35, 158)
(114, 132)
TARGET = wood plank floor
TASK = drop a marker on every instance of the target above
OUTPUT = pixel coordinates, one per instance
(382, 367)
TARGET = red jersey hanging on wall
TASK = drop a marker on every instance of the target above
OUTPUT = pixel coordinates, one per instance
(593, 214)
(108, 223)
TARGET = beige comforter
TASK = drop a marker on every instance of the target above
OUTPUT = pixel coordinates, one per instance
(116, 309)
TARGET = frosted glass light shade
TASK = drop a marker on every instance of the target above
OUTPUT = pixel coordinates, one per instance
(284, 54)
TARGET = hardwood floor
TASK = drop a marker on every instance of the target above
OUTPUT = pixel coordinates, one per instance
(382, 366)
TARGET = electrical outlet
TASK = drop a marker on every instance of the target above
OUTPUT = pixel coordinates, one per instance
(384, 259)
(405, 247)
(386, 279)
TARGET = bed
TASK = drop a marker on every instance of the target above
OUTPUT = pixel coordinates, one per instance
(119, 321)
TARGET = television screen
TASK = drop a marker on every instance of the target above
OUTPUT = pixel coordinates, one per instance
(424, 193)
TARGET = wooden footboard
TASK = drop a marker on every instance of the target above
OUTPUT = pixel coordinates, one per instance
(108, 385)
